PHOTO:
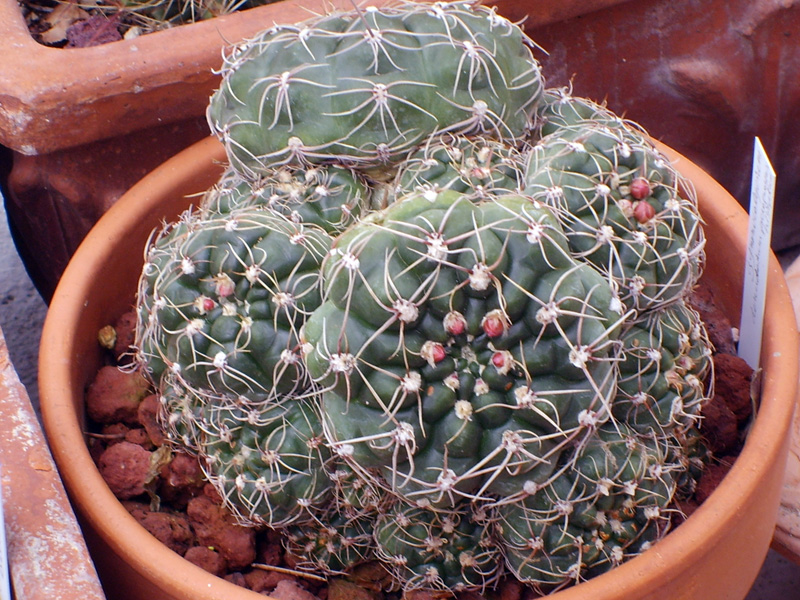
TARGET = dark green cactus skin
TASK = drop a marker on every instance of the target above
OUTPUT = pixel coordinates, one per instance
(356, 496)
(666, 360)
(445, 412)
(222, 299)
(267, 459)
(367, 87)
(333, 544)
(559, 110)
(477, 166)
(623, 206)
(437, 550)
(433, 315)
(330, 196)
(606, 502)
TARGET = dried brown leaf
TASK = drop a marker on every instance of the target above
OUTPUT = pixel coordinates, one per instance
(62, 17)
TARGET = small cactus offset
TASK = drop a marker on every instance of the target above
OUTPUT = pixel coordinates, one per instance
(433, 315)
(223, 298)
(442, 551)
(332, 543)
(472, 165)
(331, 197)
(606, 501)
(559, 110)
(666, 360)
(267, 458)
(624, 207)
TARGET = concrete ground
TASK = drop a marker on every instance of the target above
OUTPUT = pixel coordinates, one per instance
(22, 314)
(22, 310)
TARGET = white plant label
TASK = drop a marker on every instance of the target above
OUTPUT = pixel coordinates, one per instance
(762, 199)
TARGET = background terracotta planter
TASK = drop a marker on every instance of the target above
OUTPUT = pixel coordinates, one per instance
(79, 127)
(52, 99)
(718, 550)
(47, 555)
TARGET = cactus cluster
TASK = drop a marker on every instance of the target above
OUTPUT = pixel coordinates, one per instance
(434, 314)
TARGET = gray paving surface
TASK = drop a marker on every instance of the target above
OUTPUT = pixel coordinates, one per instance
(22, 310)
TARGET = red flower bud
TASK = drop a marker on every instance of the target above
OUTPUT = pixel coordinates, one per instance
(494, 324)
(644, 211)
(455, 323)
(640, 188)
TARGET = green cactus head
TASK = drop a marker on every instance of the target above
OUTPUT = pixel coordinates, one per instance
(559, 110)
(457, 342)
(331, 197)
(442, 551)
(666, 365)
(365, 87)
(623, 207)
(477, 166)
(606, 501)
(333, 543)
(221, 300)
(267, 459)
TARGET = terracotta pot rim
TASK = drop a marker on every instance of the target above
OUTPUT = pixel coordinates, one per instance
(766, 443)
(59, 98)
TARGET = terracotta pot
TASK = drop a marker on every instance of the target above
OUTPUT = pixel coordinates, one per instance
(787, 529)
(717, 552)
(46, 552)
(82, 125)
(52, 98)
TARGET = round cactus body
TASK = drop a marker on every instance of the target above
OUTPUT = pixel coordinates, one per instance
(623, 207)
(432, 315)
(666, 360)
(606, 501)
(221, 300)
(267, 459)
(365, 87)
(356, 496)
(559, 110)
(330, 196)
(477, 166)
(449, 551)
(332, 544)
(457, 342)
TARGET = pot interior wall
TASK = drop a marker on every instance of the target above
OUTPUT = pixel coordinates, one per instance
(112, 256)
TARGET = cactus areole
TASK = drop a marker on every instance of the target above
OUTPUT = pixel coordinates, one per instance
(433, 315)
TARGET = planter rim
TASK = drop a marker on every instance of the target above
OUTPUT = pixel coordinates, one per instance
(62, 97)
(58, 98)
(766, 445)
